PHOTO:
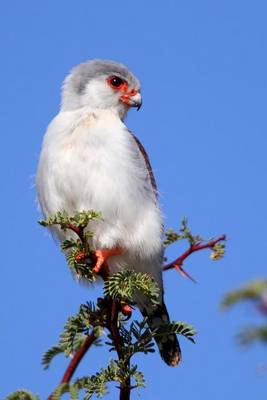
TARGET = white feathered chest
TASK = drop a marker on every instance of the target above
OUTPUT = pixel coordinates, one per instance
(89, 160)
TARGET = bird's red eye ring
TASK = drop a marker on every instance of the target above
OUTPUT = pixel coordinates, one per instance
(117, 83)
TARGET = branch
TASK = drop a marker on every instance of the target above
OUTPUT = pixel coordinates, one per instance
(78, 230)
(177, 264)
(78, 356)
(112, 325)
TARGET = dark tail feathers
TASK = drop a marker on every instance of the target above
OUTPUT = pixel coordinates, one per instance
(168, 345)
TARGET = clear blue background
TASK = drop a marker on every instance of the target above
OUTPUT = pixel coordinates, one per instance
(203, 68)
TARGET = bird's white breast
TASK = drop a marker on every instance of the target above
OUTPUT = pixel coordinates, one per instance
(89, 160)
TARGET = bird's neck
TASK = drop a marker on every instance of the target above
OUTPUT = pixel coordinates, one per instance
(119, 111)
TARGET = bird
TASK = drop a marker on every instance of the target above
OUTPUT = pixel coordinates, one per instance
(90, 160)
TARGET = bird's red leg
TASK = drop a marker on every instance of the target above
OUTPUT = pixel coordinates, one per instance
(102, 255)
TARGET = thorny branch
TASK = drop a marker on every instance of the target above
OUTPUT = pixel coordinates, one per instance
(76, 360)
(178, 262)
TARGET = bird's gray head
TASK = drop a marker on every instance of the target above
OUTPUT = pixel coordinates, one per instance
(101, 84)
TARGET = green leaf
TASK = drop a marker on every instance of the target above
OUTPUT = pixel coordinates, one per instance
(82, 218)
(143, 337)
(69, 243)
(22, 395)
(139, 379)
(60, 390)
(116, 371)
(50, 354)
(89, 319)
(253, 334)
(80, 268)
(252, 291)
(79, 219)
(74, 392)
(179, 328)
(171, 237)
(60, 218)
(183, 233)
(218, 251)
(124, 284)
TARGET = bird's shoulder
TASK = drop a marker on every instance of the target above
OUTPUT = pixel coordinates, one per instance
(145, 156)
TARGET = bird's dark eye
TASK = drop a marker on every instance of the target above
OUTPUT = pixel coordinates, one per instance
(116, 82)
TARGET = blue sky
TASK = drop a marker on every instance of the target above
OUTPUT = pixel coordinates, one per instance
(203, 70)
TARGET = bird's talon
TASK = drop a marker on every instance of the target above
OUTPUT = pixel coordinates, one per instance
(99, 261)
(101, 257)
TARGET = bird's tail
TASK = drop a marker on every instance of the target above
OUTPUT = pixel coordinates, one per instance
(168, 345)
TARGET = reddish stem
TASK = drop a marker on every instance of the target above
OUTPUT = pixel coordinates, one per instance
(74, 228)
(78, 230)
(112, 325)
(113, 328)
(76, 360)
(195, 247)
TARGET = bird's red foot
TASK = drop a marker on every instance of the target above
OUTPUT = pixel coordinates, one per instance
(185, 274)
(102, 255)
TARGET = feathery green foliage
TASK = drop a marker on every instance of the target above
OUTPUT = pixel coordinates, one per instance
(78, 252)
(66, 388)
(217, 252)
(136, 339)
(50, 354)
(80, 268)
(125, 337)
(180, 328)
(76, 328)
(183, 233)
(252, 291)
(256, 292)
(80, 219)
(116, 371)
(89, 320)
(22, 395)
(252, 334)
(124, 284)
